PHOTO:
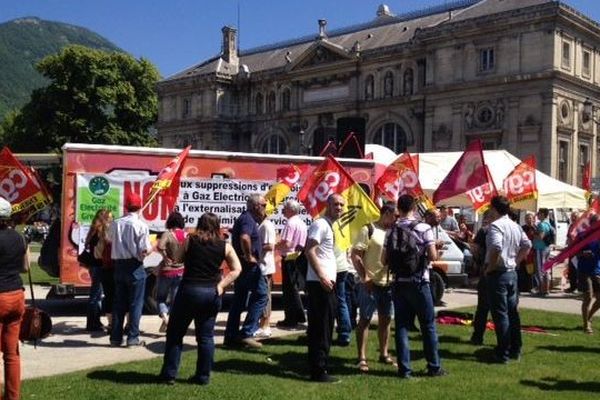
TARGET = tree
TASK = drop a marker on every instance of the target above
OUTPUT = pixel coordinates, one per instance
(94, 96)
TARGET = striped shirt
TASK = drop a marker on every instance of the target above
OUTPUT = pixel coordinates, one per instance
(130, 238)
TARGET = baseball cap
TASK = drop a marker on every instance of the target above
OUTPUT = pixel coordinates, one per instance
(5, 208)
(133, 200)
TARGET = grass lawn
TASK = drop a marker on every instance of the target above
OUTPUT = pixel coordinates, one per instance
(561, 365)
(38, 276)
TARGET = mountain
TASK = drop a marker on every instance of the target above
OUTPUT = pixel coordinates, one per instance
(24, 42)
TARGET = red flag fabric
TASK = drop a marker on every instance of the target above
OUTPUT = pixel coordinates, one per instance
(481, 196)
(590, 235)
(587, 177)
(167, 181)
(399, 178)
(287, 178)
(468, 173)
(20, 186)
(521, 183)
(584, 222)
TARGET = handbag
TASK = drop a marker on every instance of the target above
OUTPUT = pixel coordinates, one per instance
(36, 323)
(86, 258)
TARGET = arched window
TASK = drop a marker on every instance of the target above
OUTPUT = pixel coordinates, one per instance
(392, 136)
(274, 144)
(271, 103)
(369, 87)
(259, 103)
(408, 82)
(285, 99)
(388, 84)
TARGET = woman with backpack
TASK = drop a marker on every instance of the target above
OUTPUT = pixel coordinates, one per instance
(170, 270)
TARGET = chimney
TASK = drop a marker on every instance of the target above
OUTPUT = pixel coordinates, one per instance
(322, 25)
(229, 47)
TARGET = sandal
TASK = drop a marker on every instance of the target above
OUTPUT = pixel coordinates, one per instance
(387, 360)
(363, 366)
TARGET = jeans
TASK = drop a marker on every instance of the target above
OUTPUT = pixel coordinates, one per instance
(292, 281)
(250, 290)
(379, 299)
(503, 298)
(539, 276)
(483, 308)
(321, 316)
(201, 304)
(94, 306)
(12, 307)
(352, 298)
(166, 289)
(412, 298)
(130, 284)
(344, 327)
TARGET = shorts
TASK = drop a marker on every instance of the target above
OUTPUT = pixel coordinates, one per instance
(379, 299)
(588, 283)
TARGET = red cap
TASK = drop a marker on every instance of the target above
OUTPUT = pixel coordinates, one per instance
(133, 200)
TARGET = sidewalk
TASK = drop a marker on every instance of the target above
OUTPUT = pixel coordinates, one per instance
(70, 348)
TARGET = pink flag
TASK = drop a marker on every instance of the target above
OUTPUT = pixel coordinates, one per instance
(590, 235)
(468, 173)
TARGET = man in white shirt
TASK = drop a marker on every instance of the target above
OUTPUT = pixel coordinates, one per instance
(268, 237)
(130, 240)
(320, 283)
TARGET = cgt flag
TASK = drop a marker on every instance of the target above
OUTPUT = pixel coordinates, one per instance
(329, 178)
(468, 173)
(520, 184)
(20, 186)
(287, 178)
(481, 196)
(167, 181)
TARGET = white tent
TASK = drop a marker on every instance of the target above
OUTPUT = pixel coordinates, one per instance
(433, 168)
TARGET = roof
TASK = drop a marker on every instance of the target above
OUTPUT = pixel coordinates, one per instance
(382, 32)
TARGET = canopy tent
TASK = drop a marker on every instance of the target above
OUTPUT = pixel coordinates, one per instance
(433, 168)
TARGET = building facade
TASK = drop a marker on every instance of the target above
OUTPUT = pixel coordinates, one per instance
(514, 73)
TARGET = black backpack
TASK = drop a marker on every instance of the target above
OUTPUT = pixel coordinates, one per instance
(550, 237)
(403, 255)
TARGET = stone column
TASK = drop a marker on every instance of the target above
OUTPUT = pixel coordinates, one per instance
(428, 134)
(511, 126)
(548, 155)
(458, 137)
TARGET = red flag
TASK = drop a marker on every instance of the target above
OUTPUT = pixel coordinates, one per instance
(587, 237)
(287, 178)
(167, 181)
(399, 178)
(468, 173)
(584, 222)
(20, 187)
(481, 196)
(521, 184)
(587, 177)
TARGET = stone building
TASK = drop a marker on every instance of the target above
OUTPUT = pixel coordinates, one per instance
(514, 73)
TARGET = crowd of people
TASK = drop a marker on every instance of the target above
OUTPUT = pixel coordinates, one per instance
(386, 271)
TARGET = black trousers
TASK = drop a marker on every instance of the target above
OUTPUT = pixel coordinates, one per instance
(321, 316)
(292, 283)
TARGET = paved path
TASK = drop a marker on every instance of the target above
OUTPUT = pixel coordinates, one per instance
(70, 348)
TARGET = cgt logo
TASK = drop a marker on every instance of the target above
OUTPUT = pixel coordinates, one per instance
(519, 183)
(405, 183)
(10, 185)
(324, 189)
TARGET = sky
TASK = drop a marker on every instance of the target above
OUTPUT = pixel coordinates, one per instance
(176, 34)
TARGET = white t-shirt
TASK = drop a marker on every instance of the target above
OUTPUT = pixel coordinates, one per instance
(266, 233)
(320, 231)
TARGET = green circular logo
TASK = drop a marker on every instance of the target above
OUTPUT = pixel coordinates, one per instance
(99, 185)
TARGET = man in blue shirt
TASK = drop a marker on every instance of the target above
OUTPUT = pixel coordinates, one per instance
(541, 280)
(246, 243)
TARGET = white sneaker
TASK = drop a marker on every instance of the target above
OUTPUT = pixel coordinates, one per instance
(263, 333)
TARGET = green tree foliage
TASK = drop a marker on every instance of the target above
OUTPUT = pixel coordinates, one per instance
(94, 96)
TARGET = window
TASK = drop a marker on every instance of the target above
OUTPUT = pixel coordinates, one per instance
(408, 82)
(271, 103)
(563, 160)
(369, 87)
(487, 60)
(186, 109)
(393, 137)
(274, 144)
(388, 84)
(584, 158)
(259, 104)
(566, 55)
(285, 100)
(586, 64)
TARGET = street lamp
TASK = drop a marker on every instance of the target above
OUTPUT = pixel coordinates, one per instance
(304, 149)
(588, 111)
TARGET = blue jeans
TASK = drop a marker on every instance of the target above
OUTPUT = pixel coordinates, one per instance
(412, 298)
(482, 311)
(201, 304)
(539, 276)
(344, 327)
(250, 290)
(94, 306)
(503, 296)
(130, 283)
(379, 299)
(166, 289)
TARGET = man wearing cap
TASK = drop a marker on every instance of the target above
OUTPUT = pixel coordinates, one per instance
(130, 240)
